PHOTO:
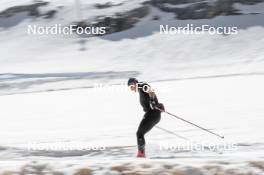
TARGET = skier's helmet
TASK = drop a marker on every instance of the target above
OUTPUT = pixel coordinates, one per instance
(131, 81)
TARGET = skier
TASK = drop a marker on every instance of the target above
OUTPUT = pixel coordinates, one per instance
(152, 109)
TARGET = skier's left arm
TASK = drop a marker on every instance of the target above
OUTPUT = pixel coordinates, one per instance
(154, 104)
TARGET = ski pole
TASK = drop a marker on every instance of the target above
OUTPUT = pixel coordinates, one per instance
(218, 135)
(173, 133)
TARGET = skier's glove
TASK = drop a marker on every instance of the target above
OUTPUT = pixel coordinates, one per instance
(155, 105)
(160, 107)
(152, 104)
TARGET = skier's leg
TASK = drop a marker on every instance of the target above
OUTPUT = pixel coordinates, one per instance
(148, 122)
(140, 134)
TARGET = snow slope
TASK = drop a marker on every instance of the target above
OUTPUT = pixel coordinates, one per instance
(56, 62)
(47, 61)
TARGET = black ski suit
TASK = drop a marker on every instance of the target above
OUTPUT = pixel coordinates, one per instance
(151, 116)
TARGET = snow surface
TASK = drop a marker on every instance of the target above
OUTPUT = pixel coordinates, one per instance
(231, 106)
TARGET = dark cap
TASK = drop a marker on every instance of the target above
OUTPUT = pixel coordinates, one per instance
(131, 81)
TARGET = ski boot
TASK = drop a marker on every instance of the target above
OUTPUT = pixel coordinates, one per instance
(141, 154)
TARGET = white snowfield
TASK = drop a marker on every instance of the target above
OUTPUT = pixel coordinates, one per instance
(55, 127)
(51, 113)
